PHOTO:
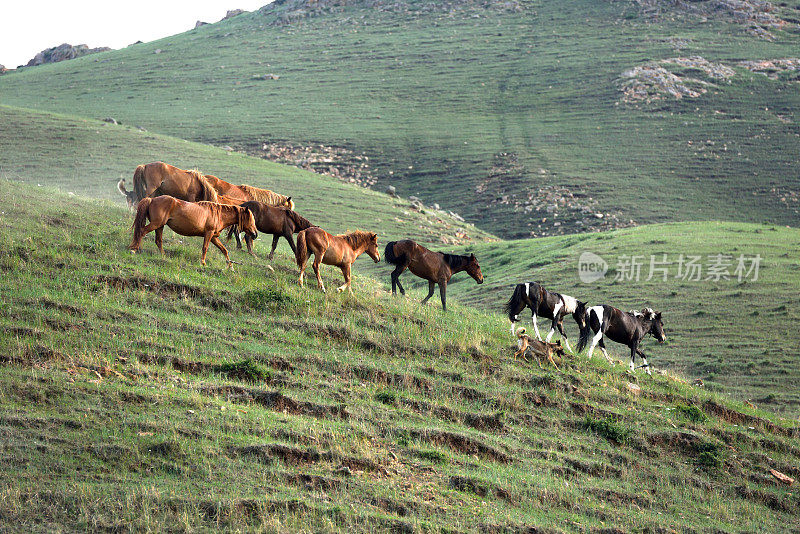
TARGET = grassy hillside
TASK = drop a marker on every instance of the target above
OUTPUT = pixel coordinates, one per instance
(88, 157)
(497, 113)
(148, 393)
(736, 336)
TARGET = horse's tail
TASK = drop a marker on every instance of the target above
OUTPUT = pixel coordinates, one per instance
(586, 333)
(140, 221)
(139, 185)
(390, 256)
(121, 188)
(207, 192)
(301, 252)
(515, 303)
(300, 222)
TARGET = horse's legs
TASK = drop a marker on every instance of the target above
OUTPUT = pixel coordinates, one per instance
(396, 279)
(443, 294)
(206, 242)
(595, 340)
(556, 319)
(431, 285)
(536, 326)
(302, 272)
(560, 326)
(602, 346)
(644, 361)
(289, 238)
(222, 248)
(236, 231)
(346, 274)
(274, 246)
(146, 230)
(159, 234)
(315, 265)
(249, 242)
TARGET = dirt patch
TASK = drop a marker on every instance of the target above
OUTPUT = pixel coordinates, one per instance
(66, 308)
(485, 422)
(463, 444)
(391, 379)
(595, 469)
(21, 331)
(31, 356)
(311, 482)
(276, 401)
(479, 487)
(268, 453)
(779, 503)
(219, 300)
(739, 418)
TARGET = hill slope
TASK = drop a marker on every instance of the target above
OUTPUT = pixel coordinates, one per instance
(88, 157)
(149, 393)
(515, 118)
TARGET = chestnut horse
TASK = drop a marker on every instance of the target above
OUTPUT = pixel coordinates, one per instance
(158, 178)
(435, 267)
(276, 220)
(205, 219)
(245, 192)
(341, 250)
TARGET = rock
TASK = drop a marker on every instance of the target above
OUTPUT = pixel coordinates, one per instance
(598, 215)
(233, 13)
(63, 52)
(227, 148)
(343, 470)
(157, 51)
(633, 388)
(269, 76)
(414, 199)
(110, 120)
(3, 69)
(437, 207)
(781, 477)
(391, 190)
(200, 23)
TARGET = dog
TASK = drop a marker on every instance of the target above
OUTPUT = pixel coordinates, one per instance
(540, 349)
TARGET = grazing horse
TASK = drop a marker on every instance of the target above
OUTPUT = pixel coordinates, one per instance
(276, 220)
(435, 267)
(205, 219)
(626, 328)
(158, 178)
(548, 304)
(130, 196)
(341, 250)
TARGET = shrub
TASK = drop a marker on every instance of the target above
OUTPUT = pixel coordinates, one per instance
(432, 456)
(609, 428)
(386, 396)
(266, 298)
(692, 413)
(246, 370)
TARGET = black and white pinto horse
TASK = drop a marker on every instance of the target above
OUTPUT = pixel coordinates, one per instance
(548, 304)
(625, 328)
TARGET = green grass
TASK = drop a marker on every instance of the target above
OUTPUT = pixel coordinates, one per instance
(474, 112)
(119, 408)
(740, 337)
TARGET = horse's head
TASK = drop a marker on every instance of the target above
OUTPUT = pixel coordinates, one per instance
(580, 314)
(289, 203)
(473, 269)
(657, 327)
(247, 223)
(372, 247)
(558, 349)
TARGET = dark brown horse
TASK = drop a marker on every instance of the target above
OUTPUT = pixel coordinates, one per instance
(276, 220)
(158, 178)
(340, 250)
(435, 267)
(205, 219)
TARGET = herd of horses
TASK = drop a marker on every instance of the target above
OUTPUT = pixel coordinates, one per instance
(195, 204)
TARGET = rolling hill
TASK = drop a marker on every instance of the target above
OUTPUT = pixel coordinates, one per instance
(148, 393)
(528, 118)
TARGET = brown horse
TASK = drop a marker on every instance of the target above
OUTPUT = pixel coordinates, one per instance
(205, 219)
(245, 192)
(341, 250)
(435, 267)
(158, 178)
(276, 220)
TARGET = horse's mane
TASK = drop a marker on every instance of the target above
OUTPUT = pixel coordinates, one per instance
(264, 195)
(454, 261)
(301, 222)
(357, 238)
(208, 193)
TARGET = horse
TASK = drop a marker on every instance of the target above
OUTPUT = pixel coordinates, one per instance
(205, 219)
(625, 328)
(158, 178)
(548, 304)
(130, 196)
(435, 267)
(341, 250)
(276, 220)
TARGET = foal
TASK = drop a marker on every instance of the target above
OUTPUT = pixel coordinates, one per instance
(548, 304)
(205, 219)
(340, 250)
(626, 328)
(435, 267)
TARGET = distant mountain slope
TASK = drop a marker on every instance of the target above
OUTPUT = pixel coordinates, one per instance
(514, 116)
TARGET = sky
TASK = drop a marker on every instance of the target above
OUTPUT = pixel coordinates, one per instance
(28, 27)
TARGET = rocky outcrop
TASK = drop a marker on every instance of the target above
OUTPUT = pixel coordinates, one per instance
(656, 80)
(3, 69)
(62, 53)
(200, 23)
(233, 13)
